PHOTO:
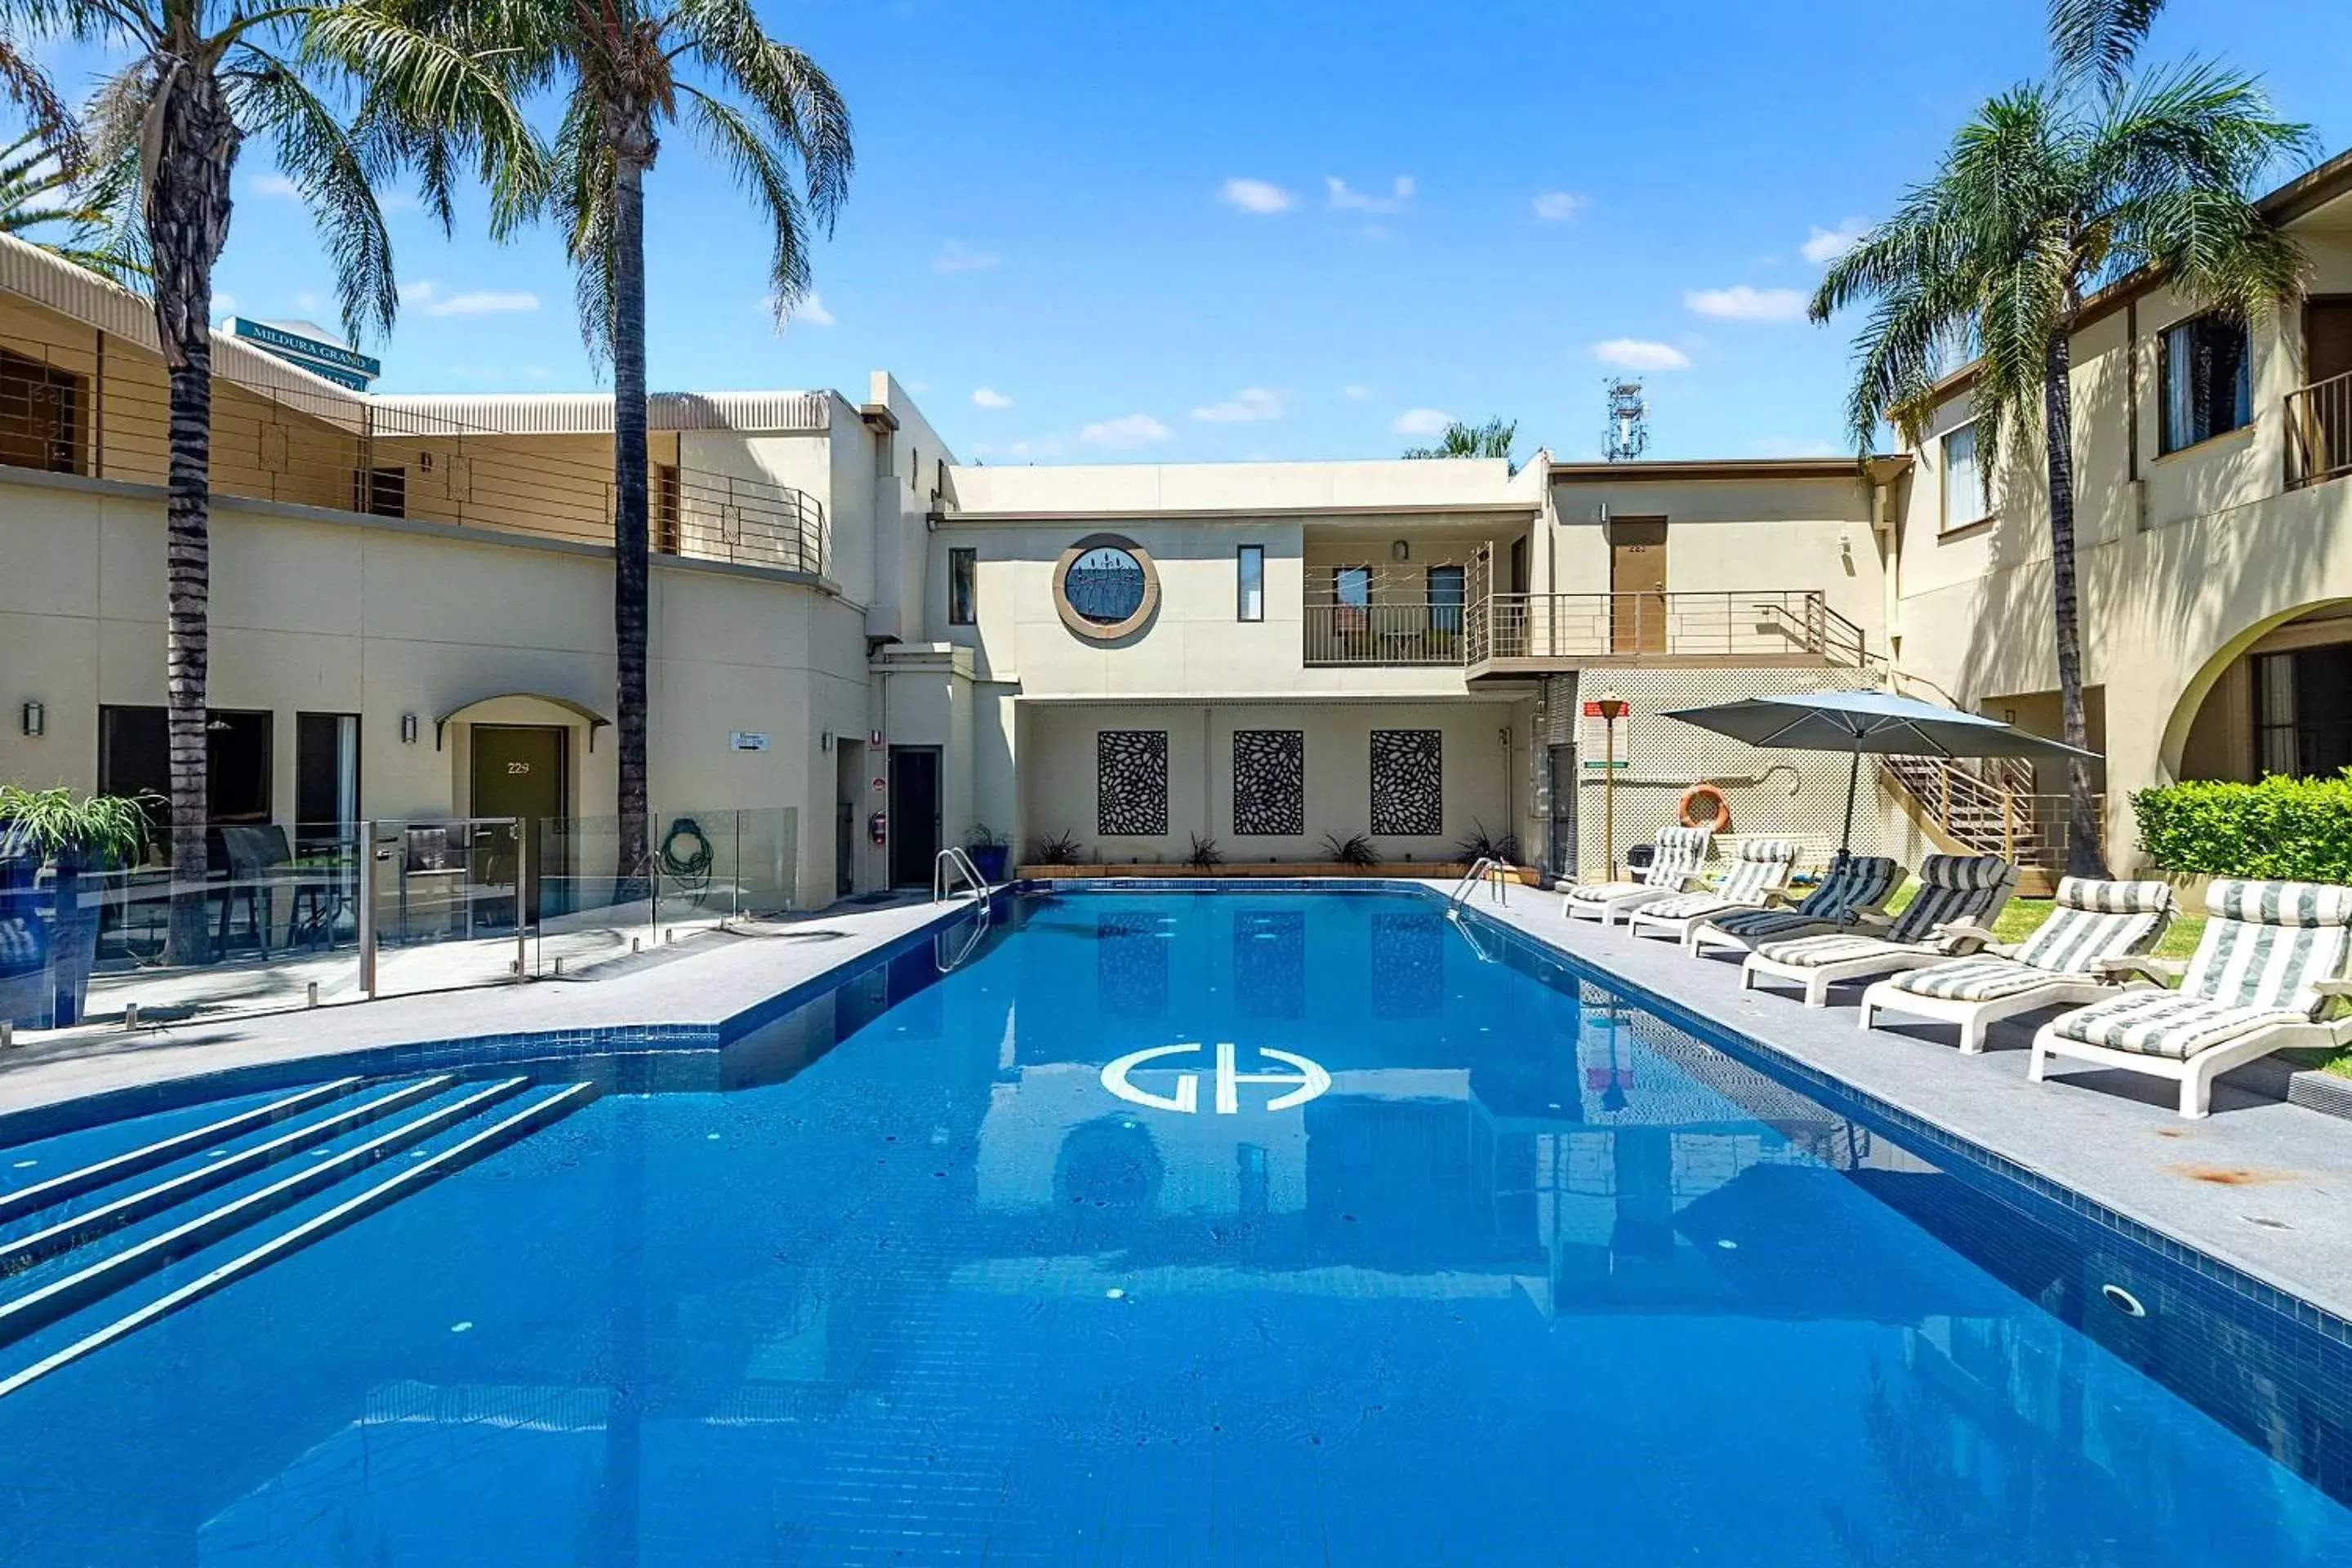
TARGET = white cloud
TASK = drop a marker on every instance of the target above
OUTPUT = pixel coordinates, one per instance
(1344, 200)
(1248, 406)
(812, 311)
(1129, 430)
(1741, 304)
(1640, 354)
(1826, 245)
(274, 186)
(1421, 422)
(418, 292)
(988, 398)
(956, 256)
(1255, 196)
(483, 302)
(1355, 393)
(1559, 206)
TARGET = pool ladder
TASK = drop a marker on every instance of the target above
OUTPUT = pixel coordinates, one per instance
(1497, 874)
(953, 867)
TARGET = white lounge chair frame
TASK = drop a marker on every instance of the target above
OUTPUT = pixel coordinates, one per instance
(2216, 974)
(1757, 878)
(1681, 852)
(2124, 904)
(1916, 939)
(1856, 914)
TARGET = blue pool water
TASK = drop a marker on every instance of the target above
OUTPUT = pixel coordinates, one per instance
(1488, 1268)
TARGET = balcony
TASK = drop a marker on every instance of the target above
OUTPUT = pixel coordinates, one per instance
(1530, 633)
(66, 409)
(1385, 633)
(2320, 431)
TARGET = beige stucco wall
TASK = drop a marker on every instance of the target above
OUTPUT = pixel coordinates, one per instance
(1057, 773)
(317, 615)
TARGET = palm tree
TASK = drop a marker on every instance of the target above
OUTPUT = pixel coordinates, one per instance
(2044, 198)
(1492, 439)
(24, 84)
(625, 71)
(198, 78)
(37, 194)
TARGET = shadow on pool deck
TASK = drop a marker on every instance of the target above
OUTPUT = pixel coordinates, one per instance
(2261, 1185)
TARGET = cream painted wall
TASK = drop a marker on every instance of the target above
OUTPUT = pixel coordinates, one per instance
(381, 619)
(1058, 773)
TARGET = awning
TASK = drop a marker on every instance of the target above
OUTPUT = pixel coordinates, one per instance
(596, 721)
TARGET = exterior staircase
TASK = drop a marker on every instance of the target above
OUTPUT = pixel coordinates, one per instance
(1985, 808)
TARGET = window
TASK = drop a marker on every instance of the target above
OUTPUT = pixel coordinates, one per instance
(1964, 491)
(381, 492)
(134, 758)
(1249, 570)
(326, 780)
(2275, 728)
(2207, 365)
(1351, 598)
(40, 416)
(962, 587)
(2303, 712)
(667, 504)
(1106, 587)
(1445, 593)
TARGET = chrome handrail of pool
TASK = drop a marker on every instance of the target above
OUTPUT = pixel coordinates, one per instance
(1485, 866)
(952, 864)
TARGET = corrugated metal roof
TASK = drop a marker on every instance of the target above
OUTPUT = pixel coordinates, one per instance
(590, 412)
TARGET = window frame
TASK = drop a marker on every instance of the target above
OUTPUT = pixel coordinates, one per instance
(1458, 606)
(1249, 578)
(2169, 441)
(963, 585)
(1989, 507)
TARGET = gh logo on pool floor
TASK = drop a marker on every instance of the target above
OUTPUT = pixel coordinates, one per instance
(1309, 1081)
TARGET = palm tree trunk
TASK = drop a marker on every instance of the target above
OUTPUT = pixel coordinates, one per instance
(187, 212)
(2084, 856)
(631, 588)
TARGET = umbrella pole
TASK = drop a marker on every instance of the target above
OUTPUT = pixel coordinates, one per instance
(1852, 782)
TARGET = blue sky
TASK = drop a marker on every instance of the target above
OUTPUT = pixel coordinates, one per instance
(1215, 230)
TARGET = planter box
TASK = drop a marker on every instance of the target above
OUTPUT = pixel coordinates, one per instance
(1244, 871)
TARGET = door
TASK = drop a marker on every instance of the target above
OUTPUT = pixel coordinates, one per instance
(914, 814)
(1637, 585)
(2327, 338)
(1560, 856)
(519, 771)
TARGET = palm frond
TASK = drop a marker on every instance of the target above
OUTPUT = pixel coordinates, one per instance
(24, 83)
(582, 195)
(760, 170)
(788, 89)
(2098, 38)
(316, 152)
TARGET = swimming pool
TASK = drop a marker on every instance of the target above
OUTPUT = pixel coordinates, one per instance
(1233, 1226)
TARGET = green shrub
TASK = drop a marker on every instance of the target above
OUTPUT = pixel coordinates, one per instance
(2282, 828)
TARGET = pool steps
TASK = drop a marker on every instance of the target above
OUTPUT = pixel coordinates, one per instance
(121, 1167)
(429, 1108)
(542, 1111)
(23, 1252)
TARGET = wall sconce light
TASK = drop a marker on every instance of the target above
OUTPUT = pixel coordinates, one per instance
(36, 719)
(1401, 550)
(825, 741)
(408, 728)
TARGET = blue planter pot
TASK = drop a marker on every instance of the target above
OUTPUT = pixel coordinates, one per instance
(993, 860)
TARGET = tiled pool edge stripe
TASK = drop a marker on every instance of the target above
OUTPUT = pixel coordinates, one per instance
(504, 1050)
(2002, 1177)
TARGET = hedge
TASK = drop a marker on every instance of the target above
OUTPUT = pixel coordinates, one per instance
(2282, 828)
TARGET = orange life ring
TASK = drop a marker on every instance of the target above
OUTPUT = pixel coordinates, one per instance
(1718, 820)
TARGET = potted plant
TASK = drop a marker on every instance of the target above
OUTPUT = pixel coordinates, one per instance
(990, 851)
(71, 835)
(1057, 849)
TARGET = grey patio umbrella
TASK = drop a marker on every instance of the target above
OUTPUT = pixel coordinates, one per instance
(1883, 723)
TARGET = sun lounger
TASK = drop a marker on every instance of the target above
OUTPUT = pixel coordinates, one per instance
(1674, 869)
(1756, 874)
(1853, 892)
(1960, 898)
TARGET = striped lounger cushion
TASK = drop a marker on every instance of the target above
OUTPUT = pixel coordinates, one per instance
(1956, 888)
(1680, 852)
(1860, 883)
(2094, 920)
(2264, 950)
(1761, 863)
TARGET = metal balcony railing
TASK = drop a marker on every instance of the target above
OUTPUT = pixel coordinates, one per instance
(66, 409)
(1773, 623)
(1390, 634)
(2320, 431)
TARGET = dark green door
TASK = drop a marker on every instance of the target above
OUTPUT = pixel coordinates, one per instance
(519, 771)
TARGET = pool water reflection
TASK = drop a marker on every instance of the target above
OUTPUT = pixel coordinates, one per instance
(1535, 1279)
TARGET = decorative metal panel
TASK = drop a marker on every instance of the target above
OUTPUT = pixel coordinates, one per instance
(1408, 782)
(1269, 782)
(1131, 783)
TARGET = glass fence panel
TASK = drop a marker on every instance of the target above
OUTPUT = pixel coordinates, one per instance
(695, 886)
(448, 902)
(767, 860)
(271, 914)
(591, 908)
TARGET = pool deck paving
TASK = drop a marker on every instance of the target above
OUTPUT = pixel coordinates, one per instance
(2262, 1185)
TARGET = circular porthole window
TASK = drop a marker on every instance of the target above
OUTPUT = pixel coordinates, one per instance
(1106, 587)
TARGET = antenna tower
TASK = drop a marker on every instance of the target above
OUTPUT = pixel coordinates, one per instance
(1629, 420)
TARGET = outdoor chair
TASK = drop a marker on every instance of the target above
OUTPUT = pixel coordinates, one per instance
(1852, 892)
(2267, 970)
(1676, 866)
(1960, 895)
(2063, 964)
(1756, 876)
